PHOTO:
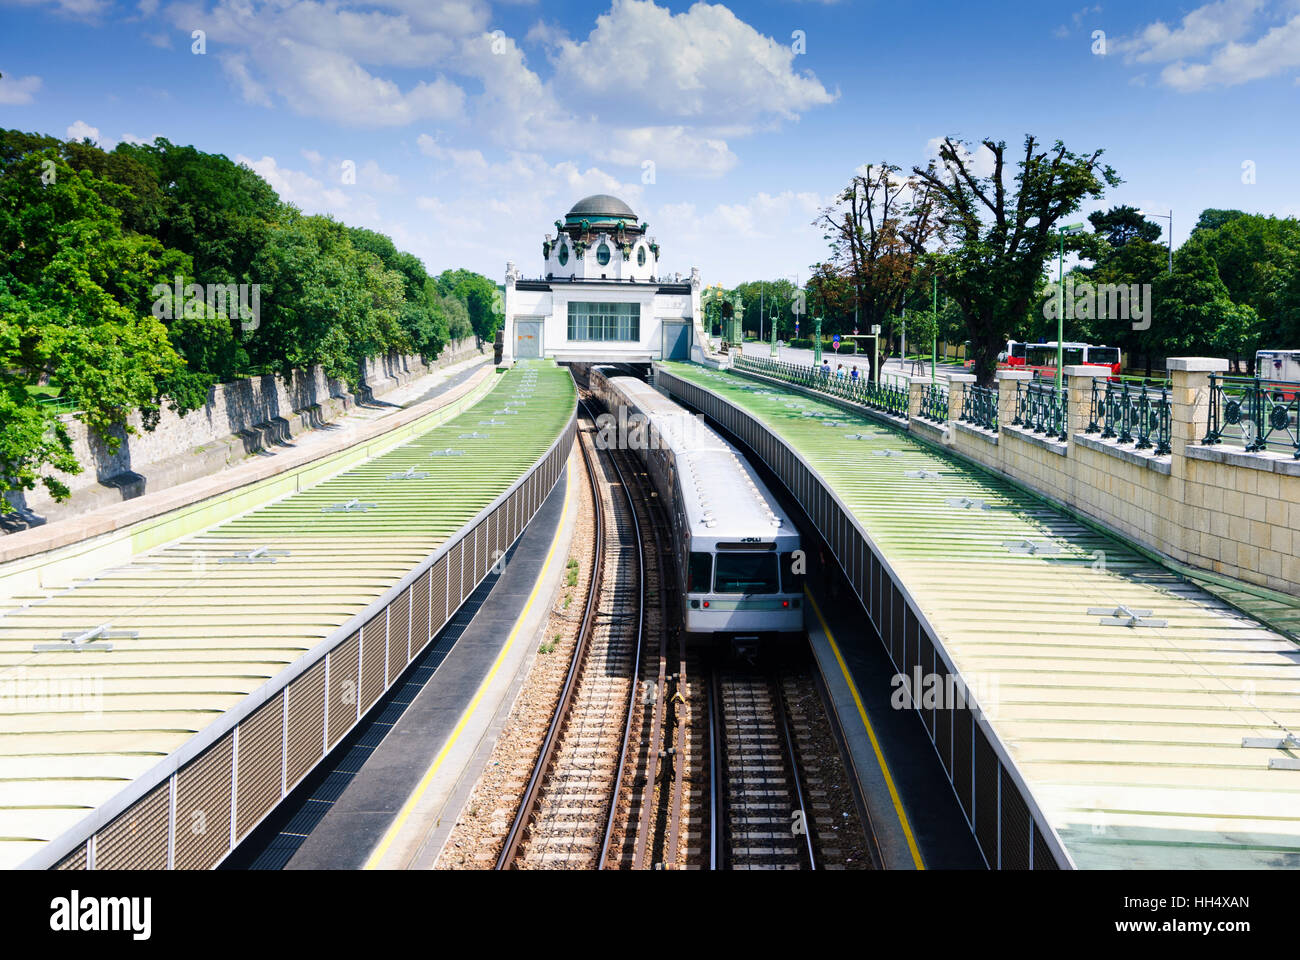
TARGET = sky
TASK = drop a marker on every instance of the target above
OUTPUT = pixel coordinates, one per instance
(464, 128)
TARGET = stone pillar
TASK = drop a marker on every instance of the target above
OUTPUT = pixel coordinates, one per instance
(957, 384)
(1189, 401)
(916, 387)
(1007, 380)
(1078, 393)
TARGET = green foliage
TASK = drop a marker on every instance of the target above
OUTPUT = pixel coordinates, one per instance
(1195, 312)
(1119, 226)
(86, 236)
(1004, 233)
(482, 299)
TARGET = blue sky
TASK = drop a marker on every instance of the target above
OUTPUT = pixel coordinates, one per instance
(473, 125)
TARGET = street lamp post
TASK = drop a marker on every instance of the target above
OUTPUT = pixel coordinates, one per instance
(1060, 302)
(1170, 217)
(934, 339)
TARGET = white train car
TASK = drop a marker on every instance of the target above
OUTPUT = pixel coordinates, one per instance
(738, 555)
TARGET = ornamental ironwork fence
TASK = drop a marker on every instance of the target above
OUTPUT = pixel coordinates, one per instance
(1131, 413)
(1258, 414)
(979, 406)
(1041, 409)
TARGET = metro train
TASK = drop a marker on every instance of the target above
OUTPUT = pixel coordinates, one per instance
(740, 568)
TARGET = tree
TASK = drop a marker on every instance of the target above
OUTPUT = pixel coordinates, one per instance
(1212, 219)
(74, 311)
(482, 298)
(1194, 312)
(1257, 259)
(878, 228)
(1120, 225)
(1005, 234)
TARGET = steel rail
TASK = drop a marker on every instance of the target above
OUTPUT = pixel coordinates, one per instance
(717, 796)
(524, 813)
(792, 758)
(636, 668)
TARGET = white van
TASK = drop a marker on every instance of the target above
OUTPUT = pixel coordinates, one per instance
(1278, 365)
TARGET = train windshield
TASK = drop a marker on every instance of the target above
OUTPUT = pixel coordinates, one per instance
(792, 572)
(746, 573)
(699, 573)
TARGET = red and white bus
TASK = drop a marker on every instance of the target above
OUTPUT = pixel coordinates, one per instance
(1014, 355)
(1041, 357)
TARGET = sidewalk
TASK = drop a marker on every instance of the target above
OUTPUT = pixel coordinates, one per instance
(363, 423)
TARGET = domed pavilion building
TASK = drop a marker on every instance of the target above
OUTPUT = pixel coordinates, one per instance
(600, 295)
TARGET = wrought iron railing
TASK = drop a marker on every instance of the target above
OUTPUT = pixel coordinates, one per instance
(887, 396)
(980, 407)
(934, 403)
(1131, 413)
(1041, 408)
(1258, 414)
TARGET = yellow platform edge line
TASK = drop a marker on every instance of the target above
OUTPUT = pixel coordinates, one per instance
(871, 735)
(408, 808)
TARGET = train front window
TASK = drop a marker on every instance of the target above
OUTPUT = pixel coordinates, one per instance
(699, 573)
(1109, 356)
(746, 573)
(792, 572)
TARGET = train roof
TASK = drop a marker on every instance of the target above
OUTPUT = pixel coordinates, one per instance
(723, 496)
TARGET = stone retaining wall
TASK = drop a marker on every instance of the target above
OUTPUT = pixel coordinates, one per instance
(240, 418)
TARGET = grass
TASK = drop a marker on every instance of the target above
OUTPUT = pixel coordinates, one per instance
(572, 579)
(548, 646)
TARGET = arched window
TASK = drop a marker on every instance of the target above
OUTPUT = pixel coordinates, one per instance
(564, 254)
(602, 254)
(640, 256)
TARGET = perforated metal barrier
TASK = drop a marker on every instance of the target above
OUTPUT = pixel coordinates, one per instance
(194, 817)
(1004, 818)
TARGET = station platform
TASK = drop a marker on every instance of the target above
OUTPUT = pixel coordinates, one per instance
(155, 711)
(1088, 706)
(402, 802)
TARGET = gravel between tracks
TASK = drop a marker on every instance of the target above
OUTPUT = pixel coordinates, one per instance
(480, 831)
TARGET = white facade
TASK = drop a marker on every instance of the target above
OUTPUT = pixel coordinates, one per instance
(599, 296)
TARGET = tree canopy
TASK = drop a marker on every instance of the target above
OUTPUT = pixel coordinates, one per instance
(88, 240)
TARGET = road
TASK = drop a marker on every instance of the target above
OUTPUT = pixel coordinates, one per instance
(893, 366)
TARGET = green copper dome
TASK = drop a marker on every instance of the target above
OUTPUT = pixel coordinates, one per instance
(601, 206)
(601, 211)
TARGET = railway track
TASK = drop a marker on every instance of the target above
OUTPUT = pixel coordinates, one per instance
(564, 818)
(654, 759)
(761, 808)
(649, 832)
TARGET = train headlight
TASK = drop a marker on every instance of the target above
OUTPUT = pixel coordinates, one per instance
(695, 604)
(706, 603)
(785, 603)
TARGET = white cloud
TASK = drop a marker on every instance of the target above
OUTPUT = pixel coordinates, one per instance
(75, 9)
(1205, 27)
(139, 141)
(1219, 44)
(15, 91)
(704, 64)
(1277, 51)
(235, 67)
(82, 130)
(675, 99)
(376, 179)
(980, 163)
(298, 187)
